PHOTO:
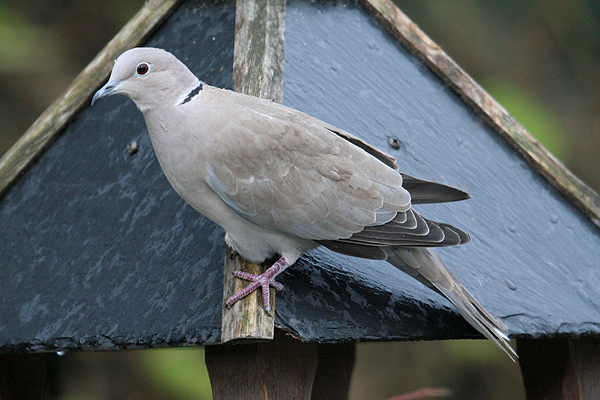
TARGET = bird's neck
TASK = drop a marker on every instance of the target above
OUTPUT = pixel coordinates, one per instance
(190, 93)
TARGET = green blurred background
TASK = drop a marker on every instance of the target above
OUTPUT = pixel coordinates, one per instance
(537, 58)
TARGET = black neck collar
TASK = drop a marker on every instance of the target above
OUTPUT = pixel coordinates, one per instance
(193, 93)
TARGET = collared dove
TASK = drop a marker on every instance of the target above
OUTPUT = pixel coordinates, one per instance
(281, 182)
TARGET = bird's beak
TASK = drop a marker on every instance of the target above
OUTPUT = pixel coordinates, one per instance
(105, 90)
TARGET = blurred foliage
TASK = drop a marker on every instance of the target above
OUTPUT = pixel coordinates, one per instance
(181, 372)
(471, 369)
(534, 115)
(23, 43)
(157, 374)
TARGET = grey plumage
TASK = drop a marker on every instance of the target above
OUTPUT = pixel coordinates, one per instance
(281, 182)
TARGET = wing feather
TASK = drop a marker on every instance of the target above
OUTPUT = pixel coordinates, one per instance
(290, 172)
(423, 192)
(426, 233)
(284, 170)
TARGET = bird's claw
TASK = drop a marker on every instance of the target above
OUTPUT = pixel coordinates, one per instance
(264, 281)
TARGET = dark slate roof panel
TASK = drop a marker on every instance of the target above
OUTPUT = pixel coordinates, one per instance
(98, 250)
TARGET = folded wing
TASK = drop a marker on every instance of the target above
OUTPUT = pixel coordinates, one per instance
(290, 172)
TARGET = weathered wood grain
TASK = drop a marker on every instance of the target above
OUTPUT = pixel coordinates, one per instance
(554, 171)
(55, 118)
(283, 368)
(258, 60)
(560, 368)
(334, 371)
(257, 70)
(247, 318)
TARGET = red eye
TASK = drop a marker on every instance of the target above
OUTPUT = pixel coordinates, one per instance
(142, 69)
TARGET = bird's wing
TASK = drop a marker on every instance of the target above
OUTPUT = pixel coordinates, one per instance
(422, 192)
(408, 229)
(284, 170)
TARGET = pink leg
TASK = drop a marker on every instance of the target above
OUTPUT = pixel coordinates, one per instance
(263, 281)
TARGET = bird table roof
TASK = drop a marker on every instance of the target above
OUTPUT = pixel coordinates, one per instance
(99, 252)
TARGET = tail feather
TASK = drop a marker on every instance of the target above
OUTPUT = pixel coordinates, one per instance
(425, 266)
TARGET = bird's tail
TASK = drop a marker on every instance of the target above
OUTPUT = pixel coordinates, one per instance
(425, 266)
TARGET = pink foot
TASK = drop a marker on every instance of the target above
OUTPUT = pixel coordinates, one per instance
(263, 281)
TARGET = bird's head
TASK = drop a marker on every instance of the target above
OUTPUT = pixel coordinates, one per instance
(150, 77)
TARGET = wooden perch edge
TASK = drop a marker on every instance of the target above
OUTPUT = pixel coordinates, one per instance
(258, 62)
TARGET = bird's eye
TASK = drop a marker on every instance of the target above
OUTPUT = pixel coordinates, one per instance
(142, 69)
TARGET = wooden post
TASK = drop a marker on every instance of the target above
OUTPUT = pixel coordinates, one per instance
(258, 54)
(283, 368)
(257, 70)
(247, 318)
(583, 371)
(560, 369)
(334, 370)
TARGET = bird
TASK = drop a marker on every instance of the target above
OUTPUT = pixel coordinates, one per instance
(281, 182)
